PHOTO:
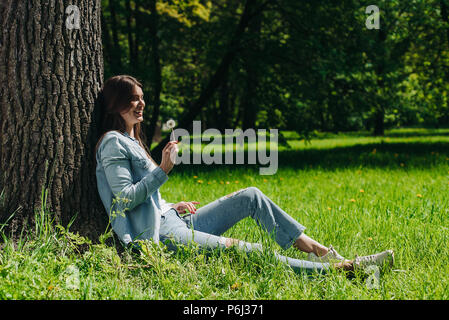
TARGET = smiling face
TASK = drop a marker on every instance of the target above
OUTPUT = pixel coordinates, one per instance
(135, 113)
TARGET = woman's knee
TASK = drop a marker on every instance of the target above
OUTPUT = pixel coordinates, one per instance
(246, 192)
(254, 191)
(250, 194)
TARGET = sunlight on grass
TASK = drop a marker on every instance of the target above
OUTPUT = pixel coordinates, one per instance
(360, 194)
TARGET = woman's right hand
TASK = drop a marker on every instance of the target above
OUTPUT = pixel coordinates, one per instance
(169, 156)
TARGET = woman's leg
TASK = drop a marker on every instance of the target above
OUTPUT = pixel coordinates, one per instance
(307, 244)
(175, 230)
(220, 215)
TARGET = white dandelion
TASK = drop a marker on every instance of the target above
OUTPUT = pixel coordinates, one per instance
(170, 125)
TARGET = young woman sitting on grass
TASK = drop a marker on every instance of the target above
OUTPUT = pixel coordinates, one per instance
(125, 170)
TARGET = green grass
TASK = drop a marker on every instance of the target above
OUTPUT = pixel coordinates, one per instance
(359, 193)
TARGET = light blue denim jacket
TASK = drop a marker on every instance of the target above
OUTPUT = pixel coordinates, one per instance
(124, 170)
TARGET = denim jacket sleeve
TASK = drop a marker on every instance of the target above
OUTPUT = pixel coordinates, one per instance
(116, 163)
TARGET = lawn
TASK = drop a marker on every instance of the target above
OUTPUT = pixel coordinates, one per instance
(361, 194)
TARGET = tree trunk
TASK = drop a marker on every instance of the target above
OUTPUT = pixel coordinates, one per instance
(109, 56)
(110, 40)
(129, 26)
(50, 74)
(381, 100)
(117, 56)
(252, 60)
(444, 4)
(224, 112)
(379, 126)
(156, 74)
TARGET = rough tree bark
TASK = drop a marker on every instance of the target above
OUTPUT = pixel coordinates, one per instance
(50, 74)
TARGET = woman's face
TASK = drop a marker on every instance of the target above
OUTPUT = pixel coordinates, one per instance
(135, 113)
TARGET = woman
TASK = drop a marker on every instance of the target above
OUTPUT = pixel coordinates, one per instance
(128, 182)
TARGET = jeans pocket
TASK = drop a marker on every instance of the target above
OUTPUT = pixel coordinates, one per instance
(176, 212)
(187, 218)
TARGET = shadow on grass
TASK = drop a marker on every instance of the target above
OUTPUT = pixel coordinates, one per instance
(373, 155)
(393, 133)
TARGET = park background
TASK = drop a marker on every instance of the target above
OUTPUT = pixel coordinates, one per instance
(362, 113)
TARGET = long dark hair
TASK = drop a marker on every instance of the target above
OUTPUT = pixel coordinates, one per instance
(115, 97)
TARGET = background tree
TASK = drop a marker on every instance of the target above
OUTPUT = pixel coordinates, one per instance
(50, 73)
(303, 66)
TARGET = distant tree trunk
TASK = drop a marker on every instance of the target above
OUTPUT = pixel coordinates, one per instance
(109, 26)
(224, 110)
(156, 73)
(50, 74)
(444, 4)
(109, 52)
(117, 56)
(137, 23)
(251, 57)
(131, 35)
(379, 123)
(379, 114)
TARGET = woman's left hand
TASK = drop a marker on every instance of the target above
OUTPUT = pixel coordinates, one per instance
(183, 205)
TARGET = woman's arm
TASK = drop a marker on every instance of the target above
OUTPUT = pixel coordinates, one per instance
(116, 164)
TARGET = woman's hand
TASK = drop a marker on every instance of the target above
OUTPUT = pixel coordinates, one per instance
(169, 156)
(182, 206)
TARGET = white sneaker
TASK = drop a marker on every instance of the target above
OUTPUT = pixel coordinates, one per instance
(331, 256)
(378, 259)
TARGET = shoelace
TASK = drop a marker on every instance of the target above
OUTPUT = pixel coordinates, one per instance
(334, 252)
(367, 259)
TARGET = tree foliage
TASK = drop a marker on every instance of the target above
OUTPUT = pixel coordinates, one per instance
(298, 65)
